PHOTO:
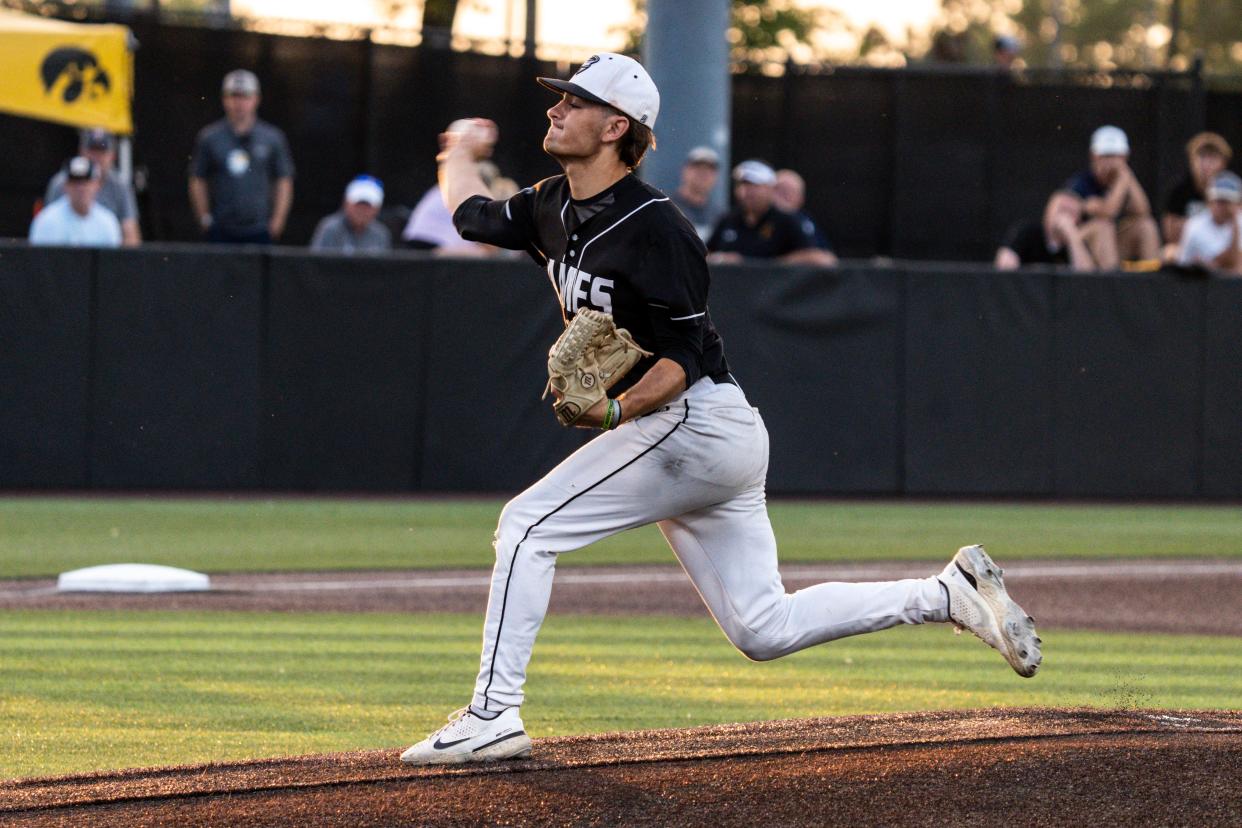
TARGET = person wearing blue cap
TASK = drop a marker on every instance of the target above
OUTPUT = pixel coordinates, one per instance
(1210, 238)
(1005, 50)
(353, 228)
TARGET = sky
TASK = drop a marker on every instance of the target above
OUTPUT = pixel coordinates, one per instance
(586, 24)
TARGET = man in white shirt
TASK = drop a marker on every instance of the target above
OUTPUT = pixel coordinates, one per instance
(99, 145)
(1210, 238)
(75, 219)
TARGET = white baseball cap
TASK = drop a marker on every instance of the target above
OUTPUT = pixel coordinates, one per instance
(613, 80)
(240, 82)
(754, 172)
(365, 189)
(1109, 140)
(1225, 187)
(81, 168)
(703, 155)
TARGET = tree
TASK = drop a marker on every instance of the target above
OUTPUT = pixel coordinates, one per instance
(761, 32)
(1102, 34)
(437, 18)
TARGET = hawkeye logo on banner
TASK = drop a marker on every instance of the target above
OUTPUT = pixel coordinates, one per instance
(80, 71)
(70, 73)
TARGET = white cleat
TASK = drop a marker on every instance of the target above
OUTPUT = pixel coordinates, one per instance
(979, 602)
(468, 738)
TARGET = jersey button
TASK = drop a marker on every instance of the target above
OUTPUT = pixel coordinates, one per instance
(574, 237)
(571, 253)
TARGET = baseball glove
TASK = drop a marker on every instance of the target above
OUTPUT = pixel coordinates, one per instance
(588, 358)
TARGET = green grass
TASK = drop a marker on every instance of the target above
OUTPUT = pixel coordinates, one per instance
(96, 690)
(45, 536)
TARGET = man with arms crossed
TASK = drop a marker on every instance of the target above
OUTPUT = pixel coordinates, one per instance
(690, 453)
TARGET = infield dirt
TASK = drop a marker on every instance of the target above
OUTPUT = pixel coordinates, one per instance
(1171, 596)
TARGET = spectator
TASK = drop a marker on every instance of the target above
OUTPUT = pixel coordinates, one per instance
(353, 228)
(1210, 237)
(755, 229)
(99, 145)
(431, 225)
(76, 219)
(241, 176)
(1118, 221)
(1207, 154)
(789, 195)
(1005, 50)
(694, 193)
(1056, 239)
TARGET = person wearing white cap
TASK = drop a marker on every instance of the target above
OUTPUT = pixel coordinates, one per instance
(756, 229)
(681, 446)
(1118, 222)
(694, 192)
(353, 228)
(1210, 238)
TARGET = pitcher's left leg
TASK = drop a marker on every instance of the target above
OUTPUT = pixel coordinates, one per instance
(729, 551)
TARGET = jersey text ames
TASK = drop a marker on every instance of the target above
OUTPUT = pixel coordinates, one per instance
(580, 289)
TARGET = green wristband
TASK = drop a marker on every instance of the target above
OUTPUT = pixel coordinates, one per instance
(607, 424)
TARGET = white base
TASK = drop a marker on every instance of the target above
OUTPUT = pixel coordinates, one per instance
(131, 577)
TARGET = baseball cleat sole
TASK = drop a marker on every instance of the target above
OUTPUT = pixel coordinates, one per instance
(979, 602)
(515, 746)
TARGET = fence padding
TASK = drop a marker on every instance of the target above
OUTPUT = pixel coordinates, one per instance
(176, 370)
(978, 374)
(819, 353)
(1127, 385)
(45, 367)
(201, 369)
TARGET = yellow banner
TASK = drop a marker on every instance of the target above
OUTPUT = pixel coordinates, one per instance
(71, 73)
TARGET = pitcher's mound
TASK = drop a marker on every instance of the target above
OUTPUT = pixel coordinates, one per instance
(1024, 767)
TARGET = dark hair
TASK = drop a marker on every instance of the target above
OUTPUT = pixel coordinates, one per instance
(633, 145)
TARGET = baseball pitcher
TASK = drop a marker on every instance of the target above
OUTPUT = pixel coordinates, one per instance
(680, 445)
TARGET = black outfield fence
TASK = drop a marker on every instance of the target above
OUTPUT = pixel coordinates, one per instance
(181, 368)
(914, 163)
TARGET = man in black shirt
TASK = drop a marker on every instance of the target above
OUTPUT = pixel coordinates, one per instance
(756, 229)
(1207, 155)
(1056, 239)
(690, 454)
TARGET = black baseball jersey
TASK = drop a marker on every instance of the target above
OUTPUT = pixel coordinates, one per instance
(626, 251)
